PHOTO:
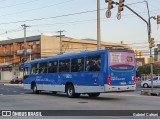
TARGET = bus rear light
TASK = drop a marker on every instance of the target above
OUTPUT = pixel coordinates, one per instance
(134, 79)
(109, 80)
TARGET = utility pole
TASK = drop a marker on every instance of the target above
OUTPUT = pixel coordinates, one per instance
(60, 35)
(149, 38)
(148, 23)
(98, 26)
(25, 52)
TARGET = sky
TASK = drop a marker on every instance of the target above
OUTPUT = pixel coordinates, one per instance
(78, 19)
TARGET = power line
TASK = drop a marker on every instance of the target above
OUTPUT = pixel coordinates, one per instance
(38, 19)
(65, 15)
(79, 21)
(1, 7)
(11, 31)
(36, 8)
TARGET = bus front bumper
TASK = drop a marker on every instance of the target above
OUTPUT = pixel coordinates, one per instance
(110, 88)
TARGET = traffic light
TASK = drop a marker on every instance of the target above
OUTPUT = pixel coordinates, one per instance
(153, 59)
(140, 53)
(152, 43)
(158, 19)
(120, 5)
(110, 4)
(136, 53)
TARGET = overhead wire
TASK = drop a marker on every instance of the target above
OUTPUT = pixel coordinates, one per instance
(36, 8)
(65, 15)
(2, 7)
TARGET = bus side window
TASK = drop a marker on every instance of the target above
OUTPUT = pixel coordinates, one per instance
(77, 65)
(64, 65)
(43, 67)
(34, 68)
(53, 67)
(93, 63)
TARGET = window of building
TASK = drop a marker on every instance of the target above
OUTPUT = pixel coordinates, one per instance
(22, 46)
(53, 67)
(11, 47)
(43, 67)
(64, 65)
(37, 42)
(35, 68)
(26, 71)
(30, 43)
(31, 46)
(77, 65)
(93, 63)
(5, 48)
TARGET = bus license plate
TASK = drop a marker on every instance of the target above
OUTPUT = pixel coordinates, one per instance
(123, 83)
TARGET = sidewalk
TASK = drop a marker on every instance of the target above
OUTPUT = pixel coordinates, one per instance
(4, 81)
(20, 85)
(155, 92)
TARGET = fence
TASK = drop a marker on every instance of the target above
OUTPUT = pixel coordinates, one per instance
(146, 76)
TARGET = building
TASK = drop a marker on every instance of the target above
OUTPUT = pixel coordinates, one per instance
(157, 53)
(41, 46)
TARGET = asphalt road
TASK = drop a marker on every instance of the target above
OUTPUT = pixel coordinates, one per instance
(16, 98)
(13, 90)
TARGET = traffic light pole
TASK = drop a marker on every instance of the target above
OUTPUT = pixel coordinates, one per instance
(25, 48)
(149, 37)
(150, 48)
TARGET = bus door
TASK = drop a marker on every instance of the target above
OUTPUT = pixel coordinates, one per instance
(121, 68)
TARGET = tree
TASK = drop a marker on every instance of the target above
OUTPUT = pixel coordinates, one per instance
(145, 69)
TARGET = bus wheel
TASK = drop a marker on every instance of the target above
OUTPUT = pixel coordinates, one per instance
(35, 91)
(93, 94)
(70, 91)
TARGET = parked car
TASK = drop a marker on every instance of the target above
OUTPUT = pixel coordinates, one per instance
(16, 80)
(147, 83)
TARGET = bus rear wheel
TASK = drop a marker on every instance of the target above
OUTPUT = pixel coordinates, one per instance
(34, 89)
(93, 94)
(70, 91)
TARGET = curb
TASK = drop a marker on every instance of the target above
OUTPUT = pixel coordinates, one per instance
(20, 85)
(149, 93)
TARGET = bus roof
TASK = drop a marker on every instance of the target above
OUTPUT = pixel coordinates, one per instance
(69, 55)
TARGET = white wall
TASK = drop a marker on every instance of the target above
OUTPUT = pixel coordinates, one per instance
(6, 75)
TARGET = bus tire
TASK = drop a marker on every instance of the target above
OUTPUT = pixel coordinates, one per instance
(34, 89)
(70, 91)
(93, 94)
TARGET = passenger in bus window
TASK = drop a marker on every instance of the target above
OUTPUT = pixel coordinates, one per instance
(80, 67)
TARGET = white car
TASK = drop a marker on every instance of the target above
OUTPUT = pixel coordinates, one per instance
(147, 83)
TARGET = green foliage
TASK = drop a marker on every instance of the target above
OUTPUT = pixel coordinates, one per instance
(145, 69)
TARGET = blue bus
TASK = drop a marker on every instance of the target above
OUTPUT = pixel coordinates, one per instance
(91, 72)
